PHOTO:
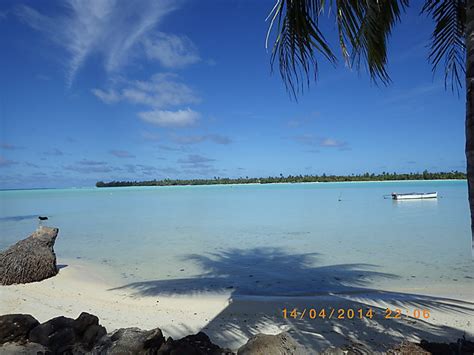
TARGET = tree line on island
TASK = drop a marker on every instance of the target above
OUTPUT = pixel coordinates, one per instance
(425, 175)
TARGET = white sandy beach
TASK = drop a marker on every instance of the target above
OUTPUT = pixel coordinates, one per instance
(230, 321)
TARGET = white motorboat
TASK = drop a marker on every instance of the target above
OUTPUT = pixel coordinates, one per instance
(415, 196)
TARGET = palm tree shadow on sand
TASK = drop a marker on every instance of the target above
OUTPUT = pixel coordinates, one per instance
(261, 282)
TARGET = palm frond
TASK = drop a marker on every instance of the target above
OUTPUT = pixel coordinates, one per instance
(448, 39)
(298, 41)
(365, 26)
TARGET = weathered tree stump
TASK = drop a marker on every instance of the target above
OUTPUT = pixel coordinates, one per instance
(31, 259)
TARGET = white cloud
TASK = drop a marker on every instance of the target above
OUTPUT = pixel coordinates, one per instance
(329, 142)
(325, 142)
(398, 96)
(162, 90)
(107, 96)
(170, 50)
(215, 138)
(111, 28)
(164, 118)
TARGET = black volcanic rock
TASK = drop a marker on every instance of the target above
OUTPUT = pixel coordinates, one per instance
(62, 334)
(131, 341)
(280, 344)
(22, 334)
(16, 327)
(197, 344)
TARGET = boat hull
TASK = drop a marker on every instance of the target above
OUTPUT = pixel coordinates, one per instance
(415, 196)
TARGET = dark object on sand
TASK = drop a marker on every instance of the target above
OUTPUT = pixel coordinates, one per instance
(42, 218)
(23, 334)
(59, 335)
(262, 344)
(16, 327)
(31, 259)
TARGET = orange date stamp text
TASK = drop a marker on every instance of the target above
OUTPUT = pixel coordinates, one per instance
(354, 313)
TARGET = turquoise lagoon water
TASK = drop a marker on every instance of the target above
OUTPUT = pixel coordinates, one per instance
(282, 239)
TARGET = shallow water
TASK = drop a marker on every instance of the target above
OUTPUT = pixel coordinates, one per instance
(281, 239)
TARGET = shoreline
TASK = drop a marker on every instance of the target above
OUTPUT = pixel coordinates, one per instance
(230, 320)
(92, 188)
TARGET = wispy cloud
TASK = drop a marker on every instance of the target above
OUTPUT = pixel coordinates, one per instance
(164, 118)
(170, 50)
(141, 169)
(168, 148)
(331, 143)
(54, 152)
(308, 139)
(196, 164)
(31, 165)
(412, 94)
(162, 91)
(204, 170)
(88, 169)
(88, 162)
(121, 154)
(4, 162)
(195, 159)
(147, 169)
(107, 96)
(42, 77)
(9, 146)
(170, 171)
(151, 136)
(89, 27)
(293, 123)
(323, 142)
(194, 139)
(86, 166)
(298, 122)
(219, 139)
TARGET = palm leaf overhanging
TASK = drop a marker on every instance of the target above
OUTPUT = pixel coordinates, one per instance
(298, 40)
(448, 39)
(363, 29)
(366, 26)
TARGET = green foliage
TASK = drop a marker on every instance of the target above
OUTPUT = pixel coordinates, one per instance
(454, 175)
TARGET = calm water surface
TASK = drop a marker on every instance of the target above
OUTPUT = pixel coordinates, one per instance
(285, 238)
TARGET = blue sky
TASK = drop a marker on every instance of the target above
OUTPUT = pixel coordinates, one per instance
(113, 90)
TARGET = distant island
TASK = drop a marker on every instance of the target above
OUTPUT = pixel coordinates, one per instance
(425, 175)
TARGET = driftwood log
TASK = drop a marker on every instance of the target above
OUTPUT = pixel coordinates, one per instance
(31, 259)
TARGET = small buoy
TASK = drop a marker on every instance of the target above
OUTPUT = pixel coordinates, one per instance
(41, 218)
